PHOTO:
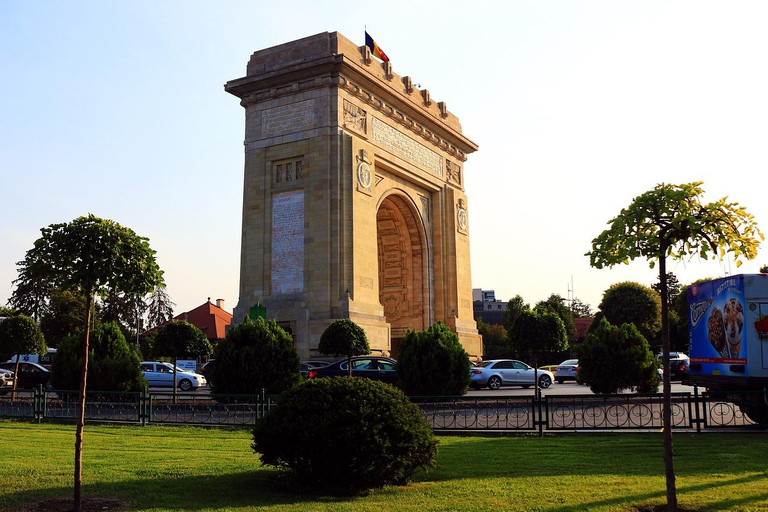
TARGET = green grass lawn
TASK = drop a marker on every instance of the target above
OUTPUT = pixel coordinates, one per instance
(178, 469)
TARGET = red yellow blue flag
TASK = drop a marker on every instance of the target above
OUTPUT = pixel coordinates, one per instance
(370, 43)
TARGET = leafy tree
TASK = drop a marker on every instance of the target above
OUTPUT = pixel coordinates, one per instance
(114, 363)
(495, 343)
(672, 221)
(19, 334)
(514, 307)
(764, 269)
(634, 303)
(125, 309)
(345, 435)
(344, 338)
(255, 355)
(673, 288)
(536, 333)
(581, 309)
(615, 358)
(432, 363)
(7, 311)
(30, 295)
(181, 339)
(160, 307)
(92, 256)
(64, 315)
(556, 304)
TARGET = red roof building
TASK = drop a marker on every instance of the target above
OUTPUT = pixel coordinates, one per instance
(209, 318)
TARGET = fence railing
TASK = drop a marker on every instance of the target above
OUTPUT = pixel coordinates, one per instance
(690, 411)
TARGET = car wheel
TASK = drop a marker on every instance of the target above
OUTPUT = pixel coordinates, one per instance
(185, 384)
(48, 386)
(545, 381)
(494, 382)
(560, 381)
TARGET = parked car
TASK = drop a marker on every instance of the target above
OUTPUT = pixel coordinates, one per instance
(369, 367)
(679, 363)
(6, 378)
(160, 375)
(507, 372)
(548, 368)
(205, 370)
(31, 375)
(567, 370)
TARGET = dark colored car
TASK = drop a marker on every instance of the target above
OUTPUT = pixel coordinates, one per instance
(369, 367)
(679, 364)
(205, 370)
(30, 375)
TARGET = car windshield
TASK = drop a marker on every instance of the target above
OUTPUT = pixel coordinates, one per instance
(570, 362)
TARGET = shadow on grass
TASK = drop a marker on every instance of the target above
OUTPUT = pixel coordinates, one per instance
(178, 492)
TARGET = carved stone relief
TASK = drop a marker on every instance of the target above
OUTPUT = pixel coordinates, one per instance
(355, 118)
(453, 172)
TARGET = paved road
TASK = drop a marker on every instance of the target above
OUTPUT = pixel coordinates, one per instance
(566, 388)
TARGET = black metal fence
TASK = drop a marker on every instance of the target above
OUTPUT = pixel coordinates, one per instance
(690, 411)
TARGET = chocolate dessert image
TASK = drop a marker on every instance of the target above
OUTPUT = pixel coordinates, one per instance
(717, 332)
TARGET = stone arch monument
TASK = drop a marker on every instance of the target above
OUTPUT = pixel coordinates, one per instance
(353, 199)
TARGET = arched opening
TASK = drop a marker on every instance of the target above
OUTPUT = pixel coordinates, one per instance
(403, 272)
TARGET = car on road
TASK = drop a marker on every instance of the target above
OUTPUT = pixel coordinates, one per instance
(507, 372)
(160, 375)
(31, 375)
(679, 363)
(6, 378)
(567, 370)
(369, 367)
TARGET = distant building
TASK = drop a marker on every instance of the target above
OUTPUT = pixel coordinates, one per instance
(208, 317)
(485, 306)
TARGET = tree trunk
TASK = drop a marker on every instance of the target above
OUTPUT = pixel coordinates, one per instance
(15, 377)
(175, 377)
(81, 410)
(669, 469)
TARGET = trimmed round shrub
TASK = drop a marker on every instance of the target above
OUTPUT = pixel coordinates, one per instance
(254, 356)
(432, 363)
(345, 435)
(113, 364)
(615, 358)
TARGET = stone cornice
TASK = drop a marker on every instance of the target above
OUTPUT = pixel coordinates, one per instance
(367, 97)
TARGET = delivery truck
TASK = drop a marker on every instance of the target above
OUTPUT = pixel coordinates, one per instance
(728, 341)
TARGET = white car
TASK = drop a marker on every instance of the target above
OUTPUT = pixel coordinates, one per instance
(506, 372)
(567, 370)
(160, 375)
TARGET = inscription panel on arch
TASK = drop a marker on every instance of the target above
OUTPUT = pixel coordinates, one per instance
(288, 118)
(403, 145)
(288, 242)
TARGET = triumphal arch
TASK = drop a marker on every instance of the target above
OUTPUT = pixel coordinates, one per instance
(353, 201)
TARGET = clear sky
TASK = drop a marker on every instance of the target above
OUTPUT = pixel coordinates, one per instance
(117, 108)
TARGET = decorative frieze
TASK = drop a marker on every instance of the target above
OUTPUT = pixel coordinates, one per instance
(355, 118)
(404, 146)
(288, 118)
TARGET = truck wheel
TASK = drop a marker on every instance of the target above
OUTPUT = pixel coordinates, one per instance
(756, 413)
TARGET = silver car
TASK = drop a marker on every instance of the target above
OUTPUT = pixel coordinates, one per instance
(507, 372)
(161, 375)
(567, 370)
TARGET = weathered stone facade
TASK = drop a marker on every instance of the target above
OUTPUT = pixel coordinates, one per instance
(353, 201)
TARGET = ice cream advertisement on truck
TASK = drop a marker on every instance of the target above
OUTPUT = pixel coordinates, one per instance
(728, 326)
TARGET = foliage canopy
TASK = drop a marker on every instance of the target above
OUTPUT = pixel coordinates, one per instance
(432, 363)
(346, 435)
(255, 355)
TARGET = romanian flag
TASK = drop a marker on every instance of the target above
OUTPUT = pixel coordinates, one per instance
(370, 43)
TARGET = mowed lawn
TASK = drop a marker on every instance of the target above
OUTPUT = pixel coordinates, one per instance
(179, 469)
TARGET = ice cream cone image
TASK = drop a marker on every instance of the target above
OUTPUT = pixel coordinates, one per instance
(733, 323)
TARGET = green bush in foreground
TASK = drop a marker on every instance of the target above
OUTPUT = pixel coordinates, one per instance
(345, 435)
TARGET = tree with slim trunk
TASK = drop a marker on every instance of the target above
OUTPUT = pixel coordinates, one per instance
(181, 339)
(19, 334)
(91, 256)
(535, 332)
(672, 221)
(344, 338)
